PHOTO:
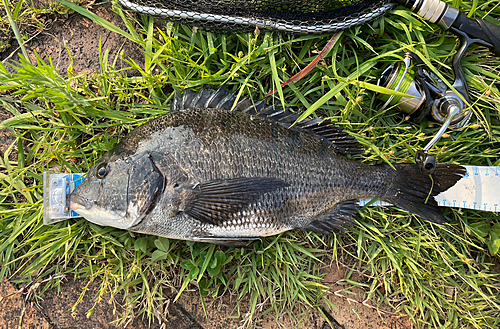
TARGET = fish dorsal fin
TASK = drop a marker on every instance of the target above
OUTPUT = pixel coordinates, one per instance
(218, 201)
(327, 132)
(206, 98)
(334, 137)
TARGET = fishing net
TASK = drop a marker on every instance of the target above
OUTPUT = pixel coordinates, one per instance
(288, 16)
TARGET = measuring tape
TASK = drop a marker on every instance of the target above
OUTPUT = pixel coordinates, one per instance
(479, 189)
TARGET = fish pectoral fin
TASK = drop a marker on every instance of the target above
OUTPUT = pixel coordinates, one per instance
(217, 201)
(227, 241)
(333, 219)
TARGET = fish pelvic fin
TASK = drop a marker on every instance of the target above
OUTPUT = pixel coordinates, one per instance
(333, 220)
(414, 192)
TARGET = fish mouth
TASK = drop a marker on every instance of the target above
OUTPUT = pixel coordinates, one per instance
(78, 203)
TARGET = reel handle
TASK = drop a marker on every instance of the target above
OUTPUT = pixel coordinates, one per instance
(426, 161)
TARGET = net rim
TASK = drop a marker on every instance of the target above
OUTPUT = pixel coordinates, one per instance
(306, 27)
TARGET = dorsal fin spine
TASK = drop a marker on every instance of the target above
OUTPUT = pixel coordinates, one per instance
(318, 128)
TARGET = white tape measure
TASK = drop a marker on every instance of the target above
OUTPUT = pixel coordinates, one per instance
(479, 189)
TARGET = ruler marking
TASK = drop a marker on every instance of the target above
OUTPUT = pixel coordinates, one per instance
(479, 189)
(482, 192)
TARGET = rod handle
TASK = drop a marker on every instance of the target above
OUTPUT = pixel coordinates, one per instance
(480, 29)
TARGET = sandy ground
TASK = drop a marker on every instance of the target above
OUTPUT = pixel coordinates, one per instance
(80, 37)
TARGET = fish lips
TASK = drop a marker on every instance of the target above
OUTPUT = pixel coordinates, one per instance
(77, 203)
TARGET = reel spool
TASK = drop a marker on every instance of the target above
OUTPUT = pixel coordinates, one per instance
(399, 78)
(428, 94)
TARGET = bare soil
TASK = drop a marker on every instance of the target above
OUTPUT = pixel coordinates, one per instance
(75, 39)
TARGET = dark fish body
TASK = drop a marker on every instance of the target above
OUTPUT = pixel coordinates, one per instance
(205, 173)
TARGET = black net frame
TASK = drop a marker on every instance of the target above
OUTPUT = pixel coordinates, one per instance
(287, 16)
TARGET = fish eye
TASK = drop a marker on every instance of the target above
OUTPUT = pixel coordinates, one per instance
(101, 171)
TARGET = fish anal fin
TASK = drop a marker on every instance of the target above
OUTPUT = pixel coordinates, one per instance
(217, 201)
(332, 220)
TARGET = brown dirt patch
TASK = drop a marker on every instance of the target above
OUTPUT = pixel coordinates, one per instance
(351, 312)
(16, 313)
(77, 38)
(6, 136)
(53, 311)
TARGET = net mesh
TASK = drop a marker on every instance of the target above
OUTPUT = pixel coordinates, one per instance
(289, 16)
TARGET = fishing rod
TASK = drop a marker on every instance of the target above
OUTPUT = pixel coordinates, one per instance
(429, 95)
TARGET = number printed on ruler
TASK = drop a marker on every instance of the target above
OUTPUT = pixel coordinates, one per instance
(479, 189)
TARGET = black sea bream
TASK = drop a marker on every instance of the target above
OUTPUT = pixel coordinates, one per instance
(206, 173)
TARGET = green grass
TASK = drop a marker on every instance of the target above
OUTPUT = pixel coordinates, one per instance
(441, 276)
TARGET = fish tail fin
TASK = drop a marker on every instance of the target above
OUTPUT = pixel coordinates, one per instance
(414, 192)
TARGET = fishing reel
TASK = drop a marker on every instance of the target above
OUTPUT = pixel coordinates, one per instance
(430, 95)
(448, 106)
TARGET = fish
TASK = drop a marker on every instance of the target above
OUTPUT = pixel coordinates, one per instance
(212, 171)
